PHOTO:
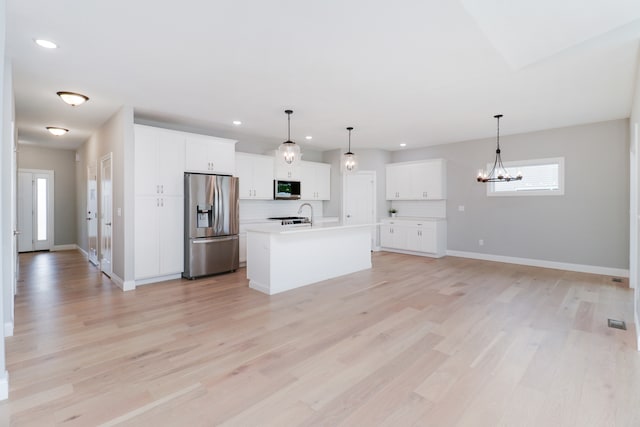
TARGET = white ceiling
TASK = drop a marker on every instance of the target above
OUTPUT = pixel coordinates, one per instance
(422, 72)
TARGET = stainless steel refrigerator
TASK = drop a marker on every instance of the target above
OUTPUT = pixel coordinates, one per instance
(211, 242)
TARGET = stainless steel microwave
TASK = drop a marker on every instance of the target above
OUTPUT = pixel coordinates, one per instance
(286, 190)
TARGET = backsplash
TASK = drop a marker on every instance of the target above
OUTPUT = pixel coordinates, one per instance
(420, 208)
(261, 209)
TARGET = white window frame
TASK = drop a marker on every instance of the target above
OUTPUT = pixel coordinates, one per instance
(514, 165)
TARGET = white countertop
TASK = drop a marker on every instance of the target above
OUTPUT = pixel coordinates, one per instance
(302, 228)
(413, 218)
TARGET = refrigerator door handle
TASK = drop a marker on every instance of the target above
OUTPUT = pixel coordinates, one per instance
(219, 239)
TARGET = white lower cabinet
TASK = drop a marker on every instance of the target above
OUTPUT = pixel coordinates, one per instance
(159, 237)
(420, 237)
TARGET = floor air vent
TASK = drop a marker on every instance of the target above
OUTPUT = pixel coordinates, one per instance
(617, 324)
(616, 279)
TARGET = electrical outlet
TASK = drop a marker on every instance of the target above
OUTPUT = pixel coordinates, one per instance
(461, 208)
(481, 242)
(119, 212)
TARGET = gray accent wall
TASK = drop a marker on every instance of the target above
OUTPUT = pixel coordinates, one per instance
(63, 164)
(589, 225)
(634, 129)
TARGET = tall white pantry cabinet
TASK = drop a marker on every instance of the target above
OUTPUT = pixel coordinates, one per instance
(159, 202)
(161, 157)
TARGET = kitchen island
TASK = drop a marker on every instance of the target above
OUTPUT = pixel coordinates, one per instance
(281, 258)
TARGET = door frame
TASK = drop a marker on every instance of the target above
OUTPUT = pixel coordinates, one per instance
(50, 206)
(92, 175)
(101, 232)
(375, 243)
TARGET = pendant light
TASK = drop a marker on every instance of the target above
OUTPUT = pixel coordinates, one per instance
(498, 173)
(349, 160)
(289, 151)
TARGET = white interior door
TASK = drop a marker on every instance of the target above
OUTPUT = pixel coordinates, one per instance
(92, 213)
(35, 210)
(359, 200)
(106, 214)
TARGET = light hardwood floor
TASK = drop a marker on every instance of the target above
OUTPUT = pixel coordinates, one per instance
(414, 341)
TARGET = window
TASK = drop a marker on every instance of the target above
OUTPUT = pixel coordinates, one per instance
(540, 177)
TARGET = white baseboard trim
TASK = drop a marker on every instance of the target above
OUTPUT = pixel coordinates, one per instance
(141, 282)
(8, 329)
(4, 386)
(402, 251)
(635, 315)
(128, 285)
(259, 287)
(70, 247)
(83, 252)
(581, 268)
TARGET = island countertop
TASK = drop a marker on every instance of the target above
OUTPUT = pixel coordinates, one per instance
(302, 228)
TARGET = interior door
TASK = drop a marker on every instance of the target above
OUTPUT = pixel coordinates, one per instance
(92, 213)
(359, 192)
(106, 215)
(35, 210)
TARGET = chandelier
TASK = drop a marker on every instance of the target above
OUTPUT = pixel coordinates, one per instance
(498, 173)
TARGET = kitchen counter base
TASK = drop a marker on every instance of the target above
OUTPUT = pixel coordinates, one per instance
(278, 262)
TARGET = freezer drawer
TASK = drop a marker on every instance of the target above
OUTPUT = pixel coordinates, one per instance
(212, 255)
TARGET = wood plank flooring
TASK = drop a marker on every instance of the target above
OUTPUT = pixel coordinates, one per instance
(412, 342)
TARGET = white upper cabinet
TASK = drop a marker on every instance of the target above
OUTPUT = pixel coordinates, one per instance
(422, 180)
(256, 176)
(209, 154)
(159, 161)
(315, 181)
(282, 170)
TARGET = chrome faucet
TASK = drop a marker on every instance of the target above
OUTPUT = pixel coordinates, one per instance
(310, 207)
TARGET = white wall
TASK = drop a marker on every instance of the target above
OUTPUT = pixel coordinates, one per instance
(588, 226)
(634, 129)
(6, 205)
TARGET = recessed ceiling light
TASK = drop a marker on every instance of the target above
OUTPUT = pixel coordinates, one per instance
(308, 137)
(46, 44)
(237, 122)
(57, 131)
(403, 145)
(73, 98)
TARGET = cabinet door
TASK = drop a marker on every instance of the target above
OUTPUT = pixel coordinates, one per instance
(428, 237)
(435, 179)
(398, 182)
(307, 181)
(171, 164)
(147, 243)
(209, 154)
(414, 238)
(171, 235)
(263, 177)
(386, 235)
(244, 171)
(323, 182)
(285, 171)
(146, 160)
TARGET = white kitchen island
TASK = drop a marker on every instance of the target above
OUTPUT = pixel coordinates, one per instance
(281, 258)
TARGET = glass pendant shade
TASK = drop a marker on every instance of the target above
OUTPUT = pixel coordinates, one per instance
(349, 160)
(289, 151)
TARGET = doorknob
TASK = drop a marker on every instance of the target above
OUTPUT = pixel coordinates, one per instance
(107, 223)
(16, 232)
(348, 216)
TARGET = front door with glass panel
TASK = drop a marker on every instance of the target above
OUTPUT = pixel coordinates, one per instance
(35, 210)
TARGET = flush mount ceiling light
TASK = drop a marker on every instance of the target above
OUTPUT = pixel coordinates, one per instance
(289, 150)
(308, 137)
(237, 122)
(498, 173)
(73, 98)
(57, 131)
(403, 144)
(46, 43)
(349, 160)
